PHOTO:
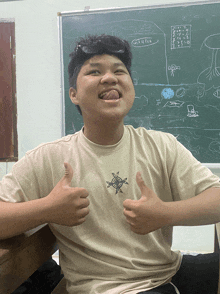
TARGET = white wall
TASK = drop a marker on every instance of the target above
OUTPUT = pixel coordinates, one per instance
(38, 70)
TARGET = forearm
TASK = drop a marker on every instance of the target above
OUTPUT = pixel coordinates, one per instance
(202, 209)
(17, 218)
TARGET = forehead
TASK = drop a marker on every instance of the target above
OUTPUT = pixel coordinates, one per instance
(99, 60)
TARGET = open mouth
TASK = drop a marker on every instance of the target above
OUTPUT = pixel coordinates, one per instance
(110, 95)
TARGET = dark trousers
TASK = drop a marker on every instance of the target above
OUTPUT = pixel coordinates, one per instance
(197, 275)
(43, 281)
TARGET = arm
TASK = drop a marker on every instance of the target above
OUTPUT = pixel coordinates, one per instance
(17, 218)
(203, 209)
(150, 213)
(65, 205)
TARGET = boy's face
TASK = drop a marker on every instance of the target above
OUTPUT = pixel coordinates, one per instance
(104, 89)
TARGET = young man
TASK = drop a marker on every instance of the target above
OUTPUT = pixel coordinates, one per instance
(123, 189)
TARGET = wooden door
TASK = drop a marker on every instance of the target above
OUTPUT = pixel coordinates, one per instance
(8, 125)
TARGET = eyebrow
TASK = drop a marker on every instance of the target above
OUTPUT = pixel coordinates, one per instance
(116, 64)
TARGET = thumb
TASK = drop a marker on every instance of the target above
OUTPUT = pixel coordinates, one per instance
(67, 178)
(141, 184)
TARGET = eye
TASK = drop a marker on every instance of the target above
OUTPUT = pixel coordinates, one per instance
(93, 72)
(120, 71)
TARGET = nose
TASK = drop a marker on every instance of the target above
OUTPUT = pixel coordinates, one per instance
(110, 78)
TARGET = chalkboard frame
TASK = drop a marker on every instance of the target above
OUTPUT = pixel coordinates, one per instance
(87, 11)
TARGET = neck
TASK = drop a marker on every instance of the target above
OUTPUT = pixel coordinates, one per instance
(105, 134)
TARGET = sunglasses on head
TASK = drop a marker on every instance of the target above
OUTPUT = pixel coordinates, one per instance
(98, 46)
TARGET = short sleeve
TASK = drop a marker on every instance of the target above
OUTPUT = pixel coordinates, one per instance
(31, 178)
(20, 184)
(188, 176)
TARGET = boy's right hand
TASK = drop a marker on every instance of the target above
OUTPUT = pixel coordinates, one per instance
(67, 205)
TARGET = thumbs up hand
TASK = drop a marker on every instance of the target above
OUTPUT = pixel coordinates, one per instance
(67, 205)
(147, 214)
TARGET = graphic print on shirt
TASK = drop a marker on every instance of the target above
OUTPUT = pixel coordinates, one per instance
(117, 183)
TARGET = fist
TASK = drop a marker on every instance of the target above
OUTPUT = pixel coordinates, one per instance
(67, 205)
(146, 214)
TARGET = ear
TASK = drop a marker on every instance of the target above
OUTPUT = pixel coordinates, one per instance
(73, 96)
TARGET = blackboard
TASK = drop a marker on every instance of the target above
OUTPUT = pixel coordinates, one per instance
(176, 69)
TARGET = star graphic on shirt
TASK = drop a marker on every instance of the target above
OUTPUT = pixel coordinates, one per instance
(117, 183)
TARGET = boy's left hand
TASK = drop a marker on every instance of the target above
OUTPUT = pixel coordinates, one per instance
(147, 214)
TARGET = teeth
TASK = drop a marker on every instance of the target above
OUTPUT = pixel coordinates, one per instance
(102, 95)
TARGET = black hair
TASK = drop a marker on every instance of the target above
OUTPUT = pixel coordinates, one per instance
(90, 46)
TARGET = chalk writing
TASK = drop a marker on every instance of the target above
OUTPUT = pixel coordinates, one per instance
(180, 36)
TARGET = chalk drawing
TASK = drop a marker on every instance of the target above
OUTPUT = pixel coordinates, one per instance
(173, 68)
(176, 103)
(180, 92)
(210, 77)
(167, 93)
(214, 146)
(217, 93)
(191, 111)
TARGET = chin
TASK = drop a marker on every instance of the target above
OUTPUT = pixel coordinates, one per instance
(112, 116)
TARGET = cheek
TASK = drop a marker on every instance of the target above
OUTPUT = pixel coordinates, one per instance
(86, 90)
(129, 83)
(89, 86)
(131, 92)
(132, 97)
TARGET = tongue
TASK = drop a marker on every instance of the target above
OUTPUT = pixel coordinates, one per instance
(111, 95)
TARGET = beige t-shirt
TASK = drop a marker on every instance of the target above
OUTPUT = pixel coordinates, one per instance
(103, 256)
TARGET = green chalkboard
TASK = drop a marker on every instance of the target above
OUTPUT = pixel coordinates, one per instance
(176, 69)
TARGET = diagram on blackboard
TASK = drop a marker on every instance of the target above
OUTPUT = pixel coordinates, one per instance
(210, 77)
(175, 69)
